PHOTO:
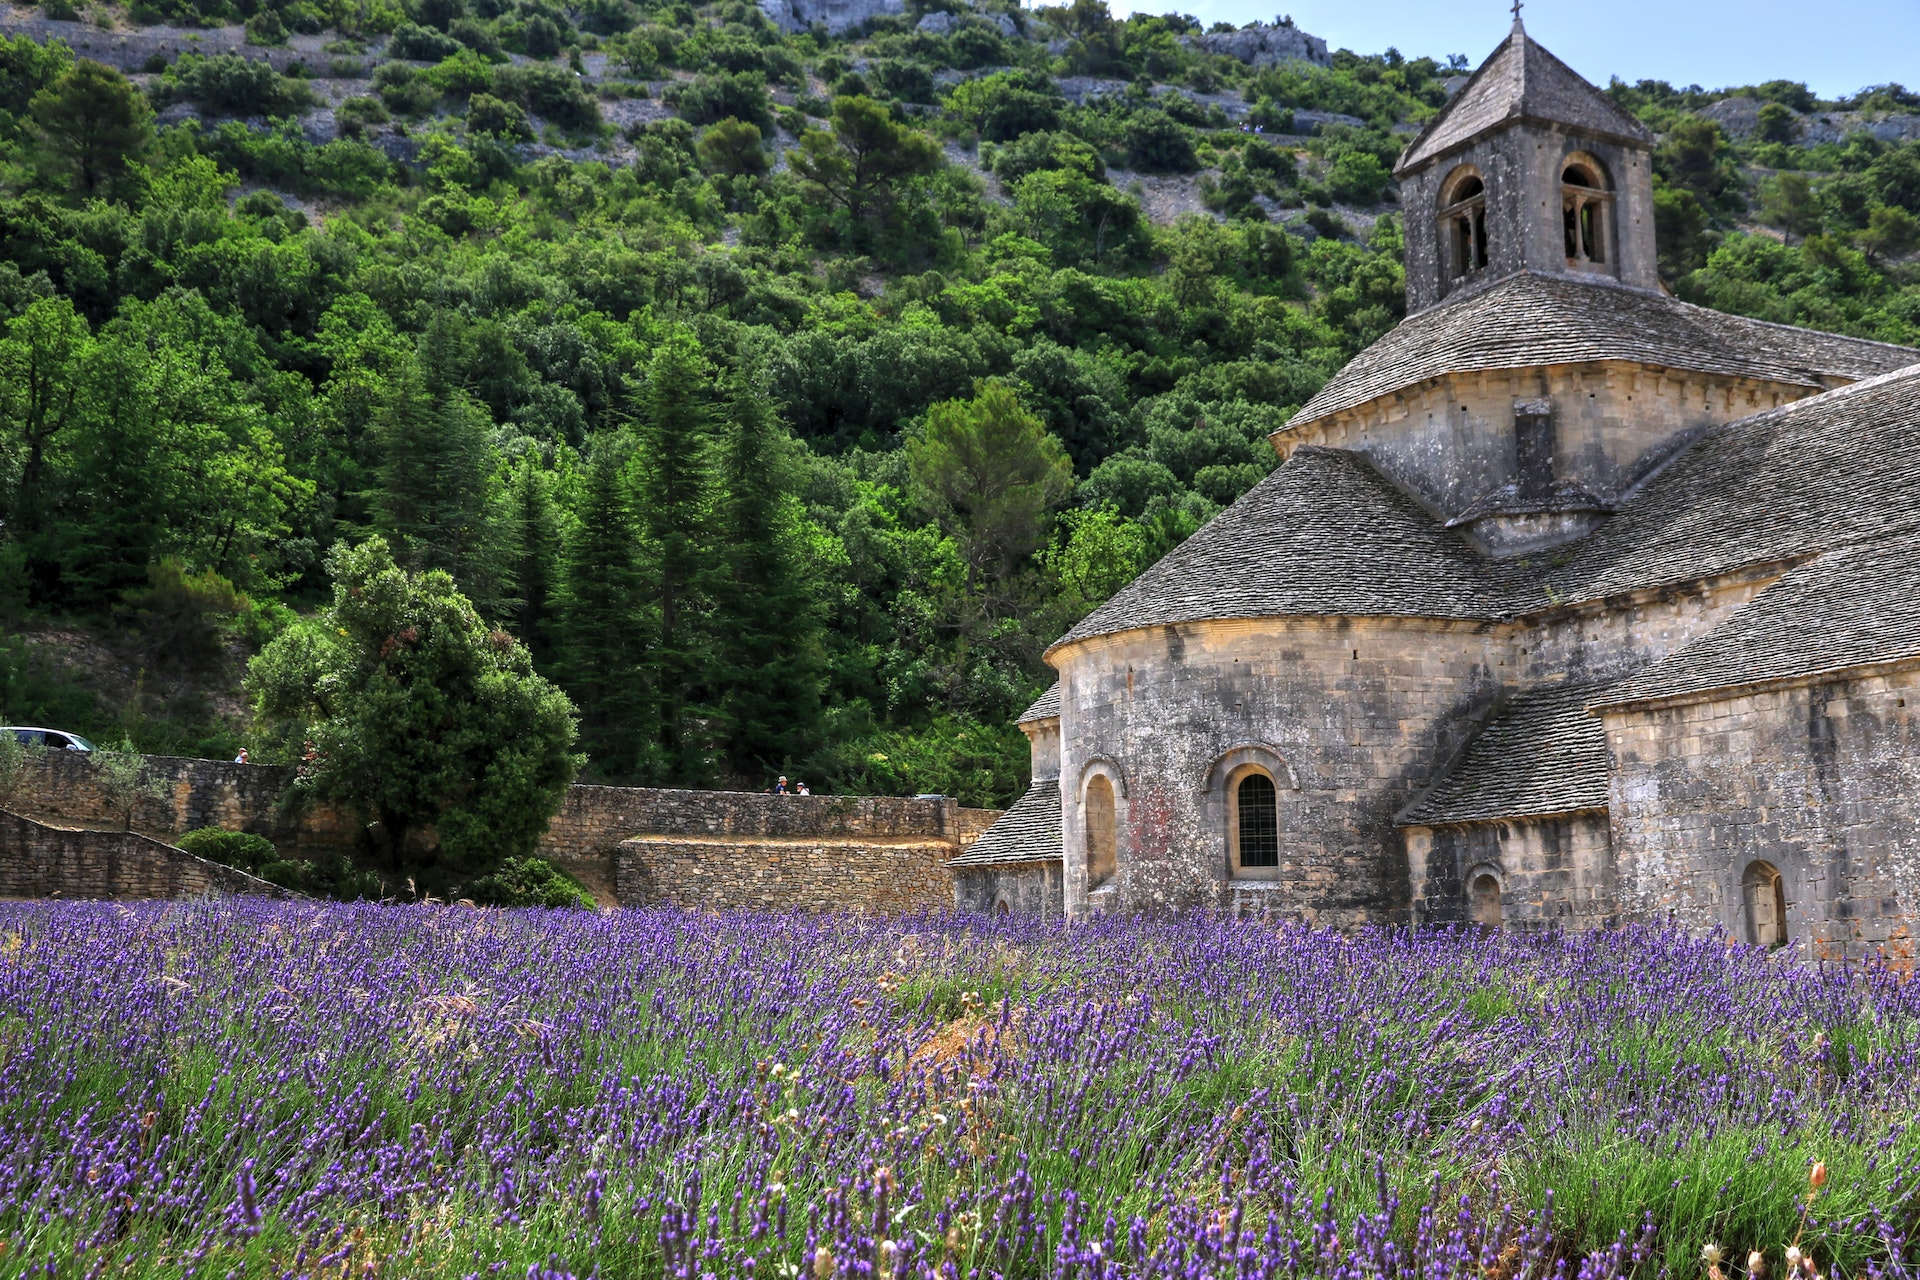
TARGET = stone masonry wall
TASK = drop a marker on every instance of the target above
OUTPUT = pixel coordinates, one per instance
(1452, 440)
(1822, 781)
(888, 874)
(1352, 717)
(40, 861)
(583, 836)
(1554, 873)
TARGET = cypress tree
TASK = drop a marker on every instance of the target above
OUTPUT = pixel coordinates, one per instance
(766, 619)
(605, 621)
(676, 498)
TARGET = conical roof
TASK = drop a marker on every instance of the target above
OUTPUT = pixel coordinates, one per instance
(1520, 81)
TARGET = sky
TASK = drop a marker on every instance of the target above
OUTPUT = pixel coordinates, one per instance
(1836, 47)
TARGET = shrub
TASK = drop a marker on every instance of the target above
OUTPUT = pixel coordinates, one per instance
(356, 115)
(488, 114)
(239, 849)
(405, 90)
(710, 99)
(265, 27)
(1158, 143)
(529, 882)
(235, 86)
(540, 37)
(1357, 177)
(421, 44)
(553, 94)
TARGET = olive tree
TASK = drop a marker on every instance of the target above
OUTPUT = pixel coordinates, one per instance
(430, 724)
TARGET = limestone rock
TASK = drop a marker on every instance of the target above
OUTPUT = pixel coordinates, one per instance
(937, 24)
(1262, 45)
(837, 16)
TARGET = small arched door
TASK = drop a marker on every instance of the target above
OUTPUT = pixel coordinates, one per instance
(1483, 899)
(1763, 893)
(1102, 844)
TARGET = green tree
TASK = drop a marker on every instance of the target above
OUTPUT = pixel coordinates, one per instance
(43, 358)
(987, 470)
(766, 623)
(732, 147)
(1891, 232)
(536, 535)
(861, 164)
(435, 483)
(606, 620)
(1787, 201)
(94, 126)
(675, 489)
(431, 725)
(120, 773)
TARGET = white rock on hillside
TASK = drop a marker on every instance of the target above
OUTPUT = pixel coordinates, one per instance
(1261, 45)
(838, 16)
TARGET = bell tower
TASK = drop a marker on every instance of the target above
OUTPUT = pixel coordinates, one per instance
(1527, 168)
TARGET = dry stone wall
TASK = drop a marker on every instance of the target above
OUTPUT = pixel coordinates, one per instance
(867, 852)
(41, 861)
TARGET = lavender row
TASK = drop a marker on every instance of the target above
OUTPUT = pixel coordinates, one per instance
(297, 1089)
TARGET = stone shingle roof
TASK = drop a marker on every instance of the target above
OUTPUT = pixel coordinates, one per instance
(1323, 536)
(1528, 320)
(1045, 707)
(1821, 473)
(1520, 81)
(1541, 754)
(1028, 832)
(1855, 607)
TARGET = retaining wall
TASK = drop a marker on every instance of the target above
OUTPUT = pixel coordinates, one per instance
(857, 841)
(41, 861)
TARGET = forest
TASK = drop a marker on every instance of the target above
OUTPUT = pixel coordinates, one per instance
(778, 397)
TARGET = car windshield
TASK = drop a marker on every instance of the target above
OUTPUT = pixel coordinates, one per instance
(82, 743)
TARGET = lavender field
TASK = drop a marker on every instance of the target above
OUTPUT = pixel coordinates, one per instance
(307, 1090)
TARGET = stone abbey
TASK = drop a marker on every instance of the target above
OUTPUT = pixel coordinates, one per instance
(1571, 604)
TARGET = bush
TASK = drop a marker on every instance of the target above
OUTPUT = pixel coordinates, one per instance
(235, 86)
(553, 94)
(241, 850)
(710, 99)
(488, 114)
(1357, 177)
(356, 115)
(529, 882)
(1157, 143)
(421, 44)
(405, 90)
(265, 27)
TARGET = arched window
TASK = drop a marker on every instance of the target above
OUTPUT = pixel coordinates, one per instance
(1584, 202)
(1463, 224)
(1256, 824)
(1763, 893)
(1000, 908)
(1101, 844)
(1483, 899)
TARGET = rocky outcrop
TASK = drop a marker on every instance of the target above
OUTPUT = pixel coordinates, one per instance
(837, 16)
(1739, 117)
(941, 23)
(1259, 44)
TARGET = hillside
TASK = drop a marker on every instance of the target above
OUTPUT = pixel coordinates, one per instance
(784, 378)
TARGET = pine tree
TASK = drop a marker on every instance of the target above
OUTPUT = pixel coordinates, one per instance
(437, 493)
(605, 622)
(676, 498)
(766, 620)
(535, 528)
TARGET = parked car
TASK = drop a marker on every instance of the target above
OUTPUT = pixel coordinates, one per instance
(53, 739)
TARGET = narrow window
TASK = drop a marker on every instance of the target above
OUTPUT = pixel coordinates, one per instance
(1764, 895)
(1259, 814)
(1101, 852)
(1463, 217)
(1484, 901)
(1583, 206)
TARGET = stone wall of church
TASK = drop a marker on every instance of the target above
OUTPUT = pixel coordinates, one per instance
(1524, 230)
(1822, 781)
(1451, 441)
(1553, 872)
(1021, 889)
(1353, 717)
(1604, 640)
